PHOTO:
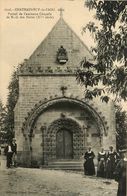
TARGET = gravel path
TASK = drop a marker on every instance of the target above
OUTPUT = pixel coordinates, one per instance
(44, 182)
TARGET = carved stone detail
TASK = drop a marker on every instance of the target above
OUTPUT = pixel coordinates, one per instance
(42, 105)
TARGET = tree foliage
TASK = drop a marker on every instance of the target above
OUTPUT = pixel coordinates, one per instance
(121, 128)
(11, 102)
(110, 67)
(3, 114)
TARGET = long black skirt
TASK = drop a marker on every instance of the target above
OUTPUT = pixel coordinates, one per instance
(89, 168)
(101, 169)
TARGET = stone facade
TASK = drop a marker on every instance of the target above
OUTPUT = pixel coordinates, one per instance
(52, 118)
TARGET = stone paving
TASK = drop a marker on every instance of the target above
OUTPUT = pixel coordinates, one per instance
(44, 182)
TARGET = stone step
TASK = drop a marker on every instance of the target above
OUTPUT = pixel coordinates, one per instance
(65, 165)
(58, 167)
(66, 168)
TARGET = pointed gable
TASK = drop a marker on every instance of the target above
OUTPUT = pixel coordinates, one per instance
(61, 35)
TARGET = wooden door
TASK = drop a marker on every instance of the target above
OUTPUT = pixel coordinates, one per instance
(64, 144)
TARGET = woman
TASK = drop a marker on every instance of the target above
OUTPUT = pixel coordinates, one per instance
(110, 163)
(89, 168)
(101, 163)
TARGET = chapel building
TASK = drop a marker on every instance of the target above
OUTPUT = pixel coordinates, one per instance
(53, 121)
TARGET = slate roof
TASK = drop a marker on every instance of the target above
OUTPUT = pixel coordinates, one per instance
(44, 56)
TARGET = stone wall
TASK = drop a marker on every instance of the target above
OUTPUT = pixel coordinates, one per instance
(36, 88)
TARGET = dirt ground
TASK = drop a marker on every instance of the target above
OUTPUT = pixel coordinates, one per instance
(44, 182)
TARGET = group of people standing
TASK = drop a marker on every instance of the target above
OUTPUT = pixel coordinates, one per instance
(11, 152)
(106, 163)
(111, 165)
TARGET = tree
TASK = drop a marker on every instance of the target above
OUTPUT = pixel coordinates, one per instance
(110, 67)
(121, 128)
(3, 114)
(11, 102)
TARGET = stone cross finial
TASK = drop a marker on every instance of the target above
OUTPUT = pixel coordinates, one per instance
(61, 12)
(63, 89)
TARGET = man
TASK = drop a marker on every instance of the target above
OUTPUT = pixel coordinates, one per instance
(14, 150)
(120, 174)
(9, 153)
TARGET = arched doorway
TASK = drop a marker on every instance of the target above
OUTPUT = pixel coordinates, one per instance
(64, 144)
(71, 124)
(65, 138)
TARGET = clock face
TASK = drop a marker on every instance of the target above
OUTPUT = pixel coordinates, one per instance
(62, 56)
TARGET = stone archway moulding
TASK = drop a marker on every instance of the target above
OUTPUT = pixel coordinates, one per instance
(43, 105)
(68, 123)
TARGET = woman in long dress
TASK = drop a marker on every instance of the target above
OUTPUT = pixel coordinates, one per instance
(110, 163)
(89, 168)
(101, 163)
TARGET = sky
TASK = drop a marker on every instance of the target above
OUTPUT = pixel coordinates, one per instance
(20, 37)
